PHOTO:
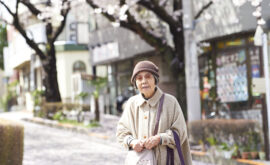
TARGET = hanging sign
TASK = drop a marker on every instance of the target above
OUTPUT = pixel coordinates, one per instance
(258, 85)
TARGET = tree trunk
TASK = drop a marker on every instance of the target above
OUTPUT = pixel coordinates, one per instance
(178, 69)
(96, 109)
(50, 81)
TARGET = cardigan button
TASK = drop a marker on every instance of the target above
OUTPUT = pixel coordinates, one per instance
(144, 137)
(145, 117)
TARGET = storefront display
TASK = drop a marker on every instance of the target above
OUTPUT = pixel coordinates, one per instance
(256, 72)
(231, 76)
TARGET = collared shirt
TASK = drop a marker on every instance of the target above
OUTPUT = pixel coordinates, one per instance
(138, 122)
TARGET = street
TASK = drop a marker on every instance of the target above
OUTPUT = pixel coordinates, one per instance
(44, 145)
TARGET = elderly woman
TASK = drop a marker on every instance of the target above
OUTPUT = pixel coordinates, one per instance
(135, 129)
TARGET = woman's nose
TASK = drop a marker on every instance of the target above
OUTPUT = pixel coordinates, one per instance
(144, 79)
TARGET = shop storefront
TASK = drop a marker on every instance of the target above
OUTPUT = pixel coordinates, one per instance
(227, 69)
(119, 86)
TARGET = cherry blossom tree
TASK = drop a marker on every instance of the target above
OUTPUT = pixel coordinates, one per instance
(3, 43)
(159, 23)
(53, 13)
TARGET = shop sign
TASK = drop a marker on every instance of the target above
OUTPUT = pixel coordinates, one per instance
(231, 76)
(258, 85)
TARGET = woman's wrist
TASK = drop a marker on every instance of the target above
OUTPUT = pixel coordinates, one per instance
(128, 140)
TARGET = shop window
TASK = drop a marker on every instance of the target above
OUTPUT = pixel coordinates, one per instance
(207, 77)
(207, 83)
(79, 66)
(226, 77)
(256, 72)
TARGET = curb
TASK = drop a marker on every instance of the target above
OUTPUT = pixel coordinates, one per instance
(205, 157)
(69, 127)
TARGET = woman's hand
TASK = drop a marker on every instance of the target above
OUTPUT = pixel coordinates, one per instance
(137, 145)
(152, 142)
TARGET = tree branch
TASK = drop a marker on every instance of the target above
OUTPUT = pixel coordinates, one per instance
(31, 7)
(10, 12)
(17, 25)
(30, 42)
(122, 2)
(5, 21)
(137, 27)
(149, 37)
(161, 13)
(17, 6)
(64, 13)
(203, 9)
(177, 4)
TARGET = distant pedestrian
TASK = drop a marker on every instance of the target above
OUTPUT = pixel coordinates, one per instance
(137, 129)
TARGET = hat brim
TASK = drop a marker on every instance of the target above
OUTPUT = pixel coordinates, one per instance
(142, 70)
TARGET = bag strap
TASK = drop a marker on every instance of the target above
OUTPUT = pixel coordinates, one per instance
(170, 154)
(178, 146)
(158, 113)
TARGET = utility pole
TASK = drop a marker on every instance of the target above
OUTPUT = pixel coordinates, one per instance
(191, 65)
(267, 85)
(260, 39)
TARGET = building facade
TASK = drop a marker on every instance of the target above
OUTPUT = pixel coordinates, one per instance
(119, 55)
(71, 54)
(229, 62)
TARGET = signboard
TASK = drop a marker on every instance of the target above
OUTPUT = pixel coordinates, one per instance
(258, 85)
(255, 63)
(232, 84)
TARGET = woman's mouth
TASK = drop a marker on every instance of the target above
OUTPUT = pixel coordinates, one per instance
(145, 87)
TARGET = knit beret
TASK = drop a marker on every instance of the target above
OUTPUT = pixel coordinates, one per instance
(144, 66)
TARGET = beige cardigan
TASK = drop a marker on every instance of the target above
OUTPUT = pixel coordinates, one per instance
(138, 121)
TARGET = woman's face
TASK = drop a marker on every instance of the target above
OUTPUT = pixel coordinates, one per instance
(145, 82)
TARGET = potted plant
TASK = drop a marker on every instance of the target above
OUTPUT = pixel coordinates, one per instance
(213, 145)
(262, 155)
(255, 142)
(254, 154)
(245, 152)
(226, 150)
(235, 153)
